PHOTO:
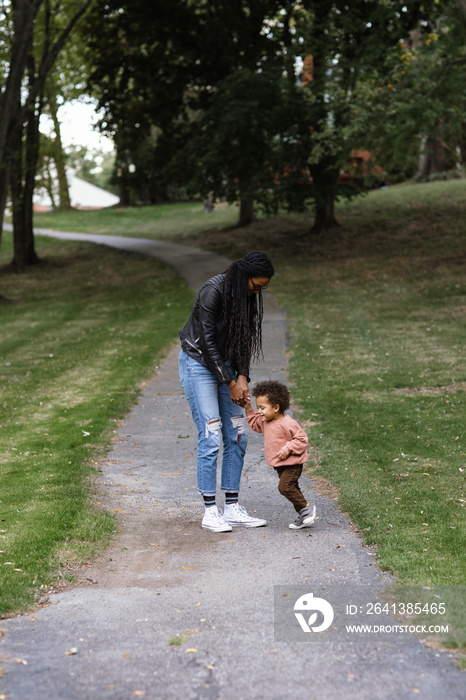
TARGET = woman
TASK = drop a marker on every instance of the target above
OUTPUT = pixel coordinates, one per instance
(221, 337)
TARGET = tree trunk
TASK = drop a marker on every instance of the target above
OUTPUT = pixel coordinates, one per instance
(3, 196)
(324, 214)
(123, 191)
(23, 239)
(16, 186)
(324, 182)
(23, 18)
(63, 188)
(32, 154)
(246, 212)
(49, 186)
(431, 157)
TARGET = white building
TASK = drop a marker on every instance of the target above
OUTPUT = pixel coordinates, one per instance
(83, 195)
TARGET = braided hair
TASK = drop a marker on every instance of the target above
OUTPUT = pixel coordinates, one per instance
(243, 311)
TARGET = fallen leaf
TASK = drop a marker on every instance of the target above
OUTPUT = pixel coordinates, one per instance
(188, 567)
(72, 651)
(139, 693)
(21, 661)
(197, 605)
(191, 651)
(210, 667)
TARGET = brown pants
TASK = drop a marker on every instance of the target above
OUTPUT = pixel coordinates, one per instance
(289, 487)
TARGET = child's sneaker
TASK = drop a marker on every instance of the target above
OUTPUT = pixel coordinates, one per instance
(237, 516)
(214, 521)
(305, 518)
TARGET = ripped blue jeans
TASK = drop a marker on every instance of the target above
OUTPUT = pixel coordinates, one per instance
(216, 417)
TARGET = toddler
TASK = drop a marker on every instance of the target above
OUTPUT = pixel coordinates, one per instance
(285, 444)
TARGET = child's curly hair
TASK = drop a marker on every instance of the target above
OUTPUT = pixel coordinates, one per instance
(275, 392)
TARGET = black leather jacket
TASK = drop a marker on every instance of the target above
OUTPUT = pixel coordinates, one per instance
(204, 336)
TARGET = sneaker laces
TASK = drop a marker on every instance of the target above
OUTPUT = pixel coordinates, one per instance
(243, 514)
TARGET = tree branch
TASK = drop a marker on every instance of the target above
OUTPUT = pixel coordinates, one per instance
(49, 59)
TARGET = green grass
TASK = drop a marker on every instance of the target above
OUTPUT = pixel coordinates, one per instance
(379, 366)
(88, 328)
(161, 222)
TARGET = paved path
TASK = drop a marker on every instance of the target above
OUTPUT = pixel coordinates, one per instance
(164, 576)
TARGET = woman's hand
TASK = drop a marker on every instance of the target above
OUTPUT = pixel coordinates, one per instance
(239, 391)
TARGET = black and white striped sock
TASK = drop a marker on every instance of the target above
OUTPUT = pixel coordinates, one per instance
(231, 497)
(209, 501)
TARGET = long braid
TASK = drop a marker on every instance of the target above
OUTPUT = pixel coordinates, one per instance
(244, 311)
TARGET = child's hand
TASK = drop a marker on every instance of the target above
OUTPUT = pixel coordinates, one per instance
(283, 454)
(246, 402)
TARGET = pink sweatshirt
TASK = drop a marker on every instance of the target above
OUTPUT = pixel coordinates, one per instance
(284, 433)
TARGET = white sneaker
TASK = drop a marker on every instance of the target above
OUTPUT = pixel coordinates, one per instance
(237, 515)
(214, 521)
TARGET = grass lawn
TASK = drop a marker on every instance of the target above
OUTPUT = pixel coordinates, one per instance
(377, 328)
(89, 327)
(165, 221)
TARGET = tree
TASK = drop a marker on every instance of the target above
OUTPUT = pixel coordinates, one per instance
(285, 129)
(66, 83)
(170, 57)
(56, 145)
(33, 50)
(417, 103)
(222, 84)
(19, 18)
